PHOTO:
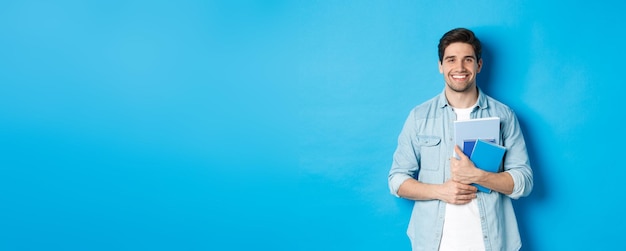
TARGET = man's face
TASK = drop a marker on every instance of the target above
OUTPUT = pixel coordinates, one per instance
(459, 67)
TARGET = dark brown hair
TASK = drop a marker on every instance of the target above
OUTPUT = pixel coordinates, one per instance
(459, 35)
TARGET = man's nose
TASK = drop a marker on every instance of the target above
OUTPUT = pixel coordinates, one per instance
(459, 64)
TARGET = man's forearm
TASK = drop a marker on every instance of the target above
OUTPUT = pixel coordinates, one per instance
(500, 182)
(415, 190)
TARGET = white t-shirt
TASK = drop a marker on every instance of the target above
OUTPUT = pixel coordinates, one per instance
(461, 228)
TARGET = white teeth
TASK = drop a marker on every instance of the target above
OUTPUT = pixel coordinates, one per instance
(455, 76)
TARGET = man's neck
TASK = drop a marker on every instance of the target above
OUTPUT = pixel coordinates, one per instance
(462, 99)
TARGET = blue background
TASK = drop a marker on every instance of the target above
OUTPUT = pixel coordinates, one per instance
(270, 125)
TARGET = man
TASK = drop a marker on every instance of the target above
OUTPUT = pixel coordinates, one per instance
(449, 213)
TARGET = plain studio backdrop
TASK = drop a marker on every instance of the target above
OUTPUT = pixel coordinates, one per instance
(270, 125)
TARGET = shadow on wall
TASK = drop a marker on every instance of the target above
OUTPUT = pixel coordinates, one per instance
(490, 84)
(485, 77)
(523, 206)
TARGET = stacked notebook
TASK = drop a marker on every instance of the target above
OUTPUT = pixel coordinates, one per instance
(479, 139)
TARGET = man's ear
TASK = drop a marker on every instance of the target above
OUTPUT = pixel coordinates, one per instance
(480, 65)
(440, 68)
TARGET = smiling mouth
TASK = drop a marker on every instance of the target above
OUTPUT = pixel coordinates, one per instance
(459, 77)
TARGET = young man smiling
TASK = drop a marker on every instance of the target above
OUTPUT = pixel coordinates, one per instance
(449, 213)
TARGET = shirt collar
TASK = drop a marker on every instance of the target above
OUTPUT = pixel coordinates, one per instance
(482, 99)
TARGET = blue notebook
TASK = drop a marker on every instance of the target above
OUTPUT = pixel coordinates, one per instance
(468, 145)
(466, 132)
(487, 156)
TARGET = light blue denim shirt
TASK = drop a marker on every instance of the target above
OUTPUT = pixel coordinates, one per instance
(425, 146)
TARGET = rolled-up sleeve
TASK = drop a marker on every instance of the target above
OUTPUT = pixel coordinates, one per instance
(516, 162)
(405, 163)
(523, 183)
(395, 180)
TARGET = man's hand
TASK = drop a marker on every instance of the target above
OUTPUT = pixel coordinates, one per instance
(458, 189)
(463, 170)
(454, 192)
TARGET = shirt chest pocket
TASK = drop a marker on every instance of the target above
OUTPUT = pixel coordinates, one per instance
(429, 148)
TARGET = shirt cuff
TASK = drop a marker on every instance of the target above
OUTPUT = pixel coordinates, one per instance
(395, 181)
(519, 186)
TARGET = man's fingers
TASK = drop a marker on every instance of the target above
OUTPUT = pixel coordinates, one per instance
(458, 151)
(471, 188)
(464, 192)
(465, 187)
(463, 199)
